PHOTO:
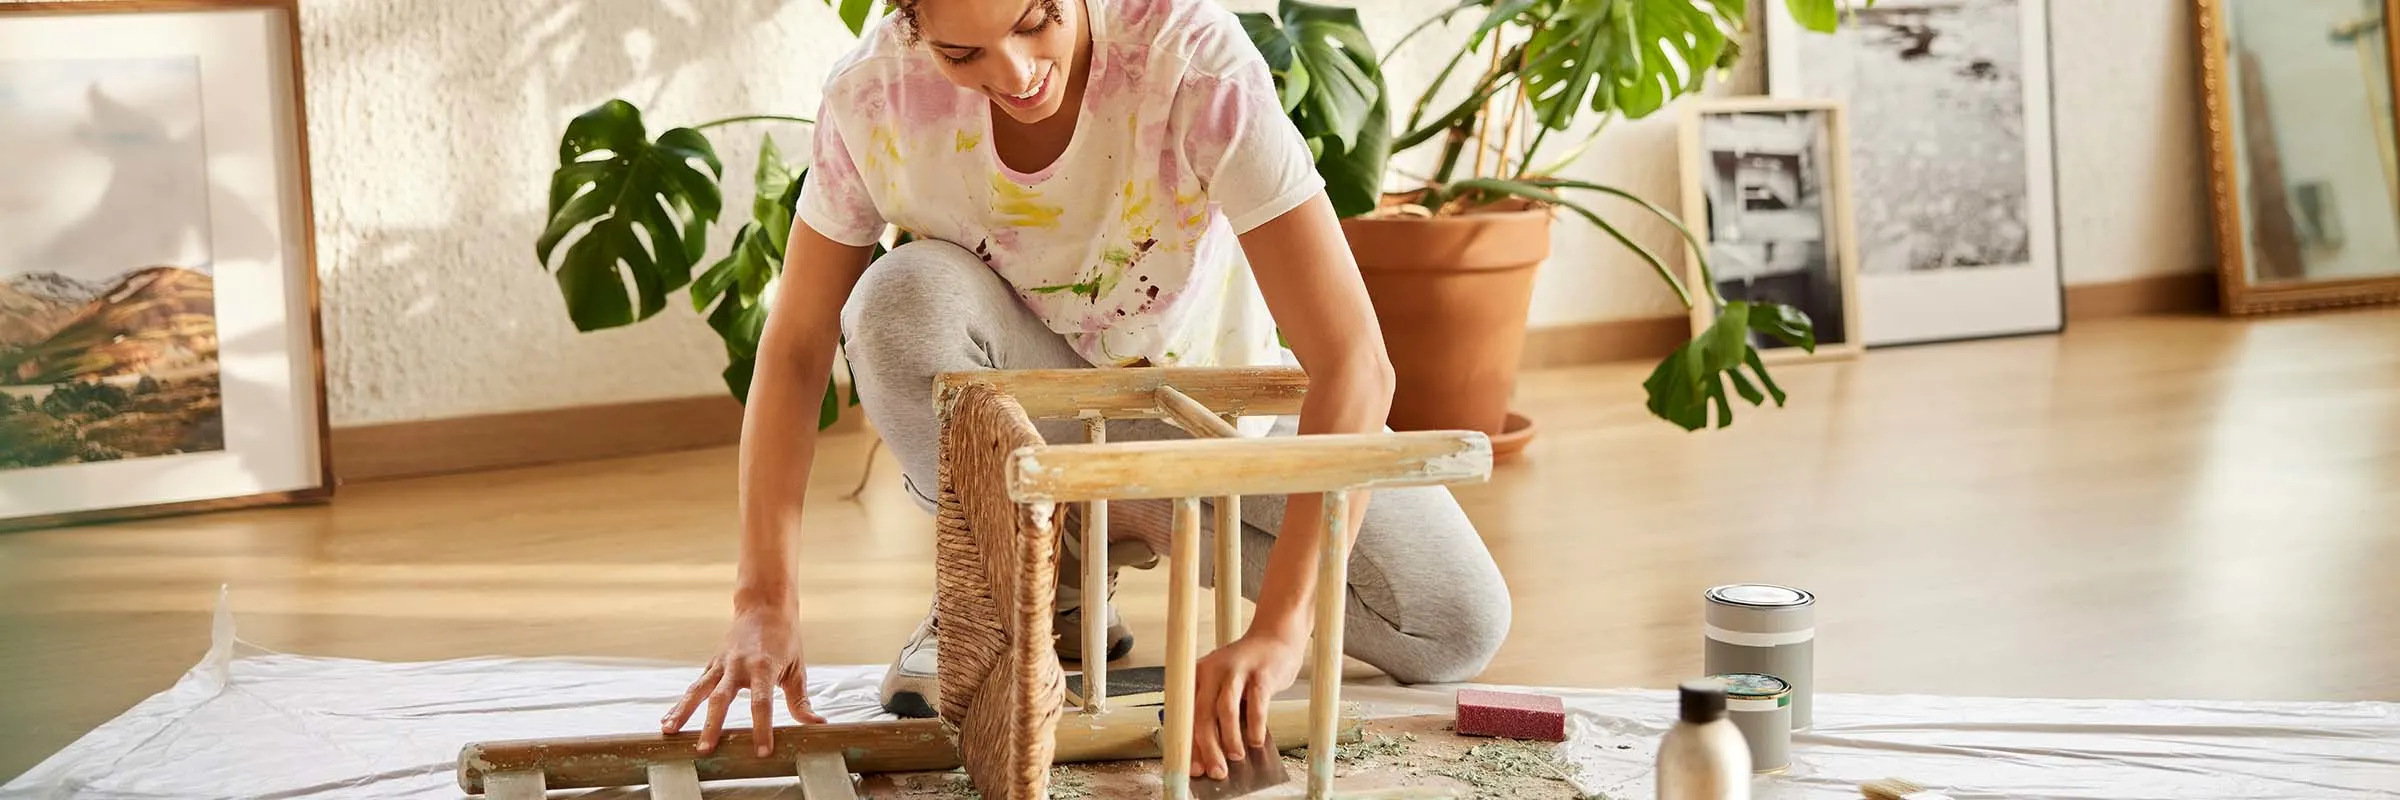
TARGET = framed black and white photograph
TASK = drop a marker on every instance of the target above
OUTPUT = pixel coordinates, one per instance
(1766, 189)
(159, 343)
(1949, 102)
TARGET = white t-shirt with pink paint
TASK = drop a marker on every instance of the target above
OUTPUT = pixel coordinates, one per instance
(1126, 243)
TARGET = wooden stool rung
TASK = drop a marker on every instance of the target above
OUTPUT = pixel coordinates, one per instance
(674, 780)
(824, 776)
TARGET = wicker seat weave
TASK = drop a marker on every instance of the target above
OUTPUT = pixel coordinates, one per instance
(995, 578)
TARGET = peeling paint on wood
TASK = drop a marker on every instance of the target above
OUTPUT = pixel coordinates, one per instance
(1130, 393)
(915, 745)
(1175, 468)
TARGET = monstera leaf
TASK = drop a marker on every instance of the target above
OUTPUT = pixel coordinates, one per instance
(1685, 386)
(737, 283)
(1332, 89)
(632, 212)
(733, 292)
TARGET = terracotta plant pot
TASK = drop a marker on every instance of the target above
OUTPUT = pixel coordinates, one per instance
(1451, 294)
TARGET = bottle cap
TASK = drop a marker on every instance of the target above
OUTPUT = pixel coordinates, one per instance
(1703, 700)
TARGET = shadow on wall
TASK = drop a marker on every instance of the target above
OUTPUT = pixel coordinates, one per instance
(130, 225)
(434, 129)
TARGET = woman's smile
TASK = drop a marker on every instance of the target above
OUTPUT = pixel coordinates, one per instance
(1032, 98)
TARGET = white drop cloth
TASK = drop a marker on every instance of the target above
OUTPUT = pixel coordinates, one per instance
(265, 725)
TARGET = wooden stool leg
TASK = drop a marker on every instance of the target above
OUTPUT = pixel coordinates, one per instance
(1183, 626)
(1325, 681)
(824, 775)
(1229, 569)
(524, 784)
(674, 780)
(1095, 589)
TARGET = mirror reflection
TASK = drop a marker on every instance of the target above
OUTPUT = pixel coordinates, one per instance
(2313, 130)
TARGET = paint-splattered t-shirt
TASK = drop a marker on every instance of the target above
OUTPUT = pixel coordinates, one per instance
(1126, 243)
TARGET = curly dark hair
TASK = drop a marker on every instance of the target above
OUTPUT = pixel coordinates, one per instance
(907, 9)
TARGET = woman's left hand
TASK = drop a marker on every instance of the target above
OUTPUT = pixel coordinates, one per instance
(1233, 683)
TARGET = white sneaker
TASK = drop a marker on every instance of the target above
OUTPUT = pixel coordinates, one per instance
(911, 687)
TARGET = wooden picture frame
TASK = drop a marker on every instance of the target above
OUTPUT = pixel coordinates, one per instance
(1792, 239)
(160, 344)
(1955, 178)
(2263, 259)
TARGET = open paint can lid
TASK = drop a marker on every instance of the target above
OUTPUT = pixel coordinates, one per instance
(1760, 595)
(1754, 686)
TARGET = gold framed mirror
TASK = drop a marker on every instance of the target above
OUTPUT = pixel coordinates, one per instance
(2304, 166)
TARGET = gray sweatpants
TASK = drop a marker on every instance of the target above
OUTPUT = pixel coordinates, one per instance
(1426, 602)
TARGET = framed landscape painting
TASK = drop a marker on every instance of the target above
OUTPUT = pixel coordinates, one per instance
(1949, 109)
(159, 344)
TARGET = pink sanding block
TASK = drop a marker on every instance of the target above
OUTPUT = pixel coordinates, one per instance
(1514, 715)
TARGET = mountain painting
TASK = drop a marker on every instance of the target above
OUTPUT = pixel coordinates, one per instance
(108, 334)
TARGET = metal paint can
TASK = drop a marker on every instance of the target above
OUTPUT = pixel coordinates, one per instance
(1764, 629)
(1761, 706)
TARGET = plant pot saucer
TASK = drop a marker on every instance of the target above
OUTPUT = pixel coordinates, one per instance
(1513, 437)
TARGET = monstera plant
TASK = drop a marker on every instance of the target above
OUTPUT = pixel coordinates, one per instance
(1552, 63)
(630, 213)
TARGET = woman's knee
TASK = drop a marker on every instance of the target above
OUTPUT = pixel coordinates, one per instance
(1436, 584)
(1474, 621)
(913, 289)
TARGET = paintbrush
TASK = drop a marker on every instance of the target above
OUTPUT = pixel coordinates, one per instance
(1261, 767)
(1897, 789)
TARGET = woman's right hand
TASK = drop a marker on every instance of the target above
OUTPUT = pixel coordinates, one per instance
(761, 653)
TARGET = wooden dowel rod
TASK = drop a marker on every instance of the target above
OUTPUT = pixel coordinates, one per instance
(909, 745)
(824, 775)
(1095, 588)
(674, 780)
(1325, 679)
(1131, 392)
(1174, 468)
(1193, 417)
(1229, 569)
(1183, 627)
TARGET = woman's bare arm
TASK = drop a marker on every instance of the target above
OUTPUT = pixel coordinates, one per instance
(779, 440)
(1312, 286)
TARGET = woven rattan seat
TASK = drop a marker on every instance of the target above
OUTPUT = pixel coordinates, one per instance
(995, 581)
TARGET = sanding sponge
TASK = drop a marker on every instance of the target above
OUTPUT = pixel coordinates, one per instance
(1513, 715)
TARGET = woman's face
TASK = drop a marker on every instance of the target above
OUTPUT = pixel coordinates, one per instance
(1020, 53)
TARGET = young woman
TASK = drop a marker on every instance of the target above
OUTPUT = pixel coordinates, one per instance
(1092, 184)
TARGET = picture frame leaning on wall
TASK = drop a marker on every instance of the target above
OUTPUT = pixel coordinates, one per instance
(160, 343)
(1766, 188)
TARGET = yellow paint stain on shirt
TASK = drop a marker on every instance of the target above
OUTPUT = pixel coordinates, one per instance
(887, 143)
(1022, 206)
(968, 141)
(1196, 204)
(1140, 224)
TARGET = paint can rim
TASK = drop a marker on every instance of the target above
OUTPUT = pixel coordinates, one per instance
(1760, 595)
(1753, 685)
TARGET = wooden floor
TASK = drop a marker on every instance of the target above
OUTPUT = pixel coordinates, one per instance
(2165, 507)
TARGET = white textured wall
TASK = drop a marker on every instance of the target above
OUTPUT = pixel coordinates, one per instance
(2132, 157)
(434, 127)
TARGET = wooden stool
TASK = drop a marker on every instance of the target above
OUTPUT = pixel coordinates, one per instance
(1000, 684)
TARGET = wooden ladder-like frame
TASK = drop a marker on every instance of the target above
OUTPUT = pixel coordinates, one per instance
(1216, 463)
